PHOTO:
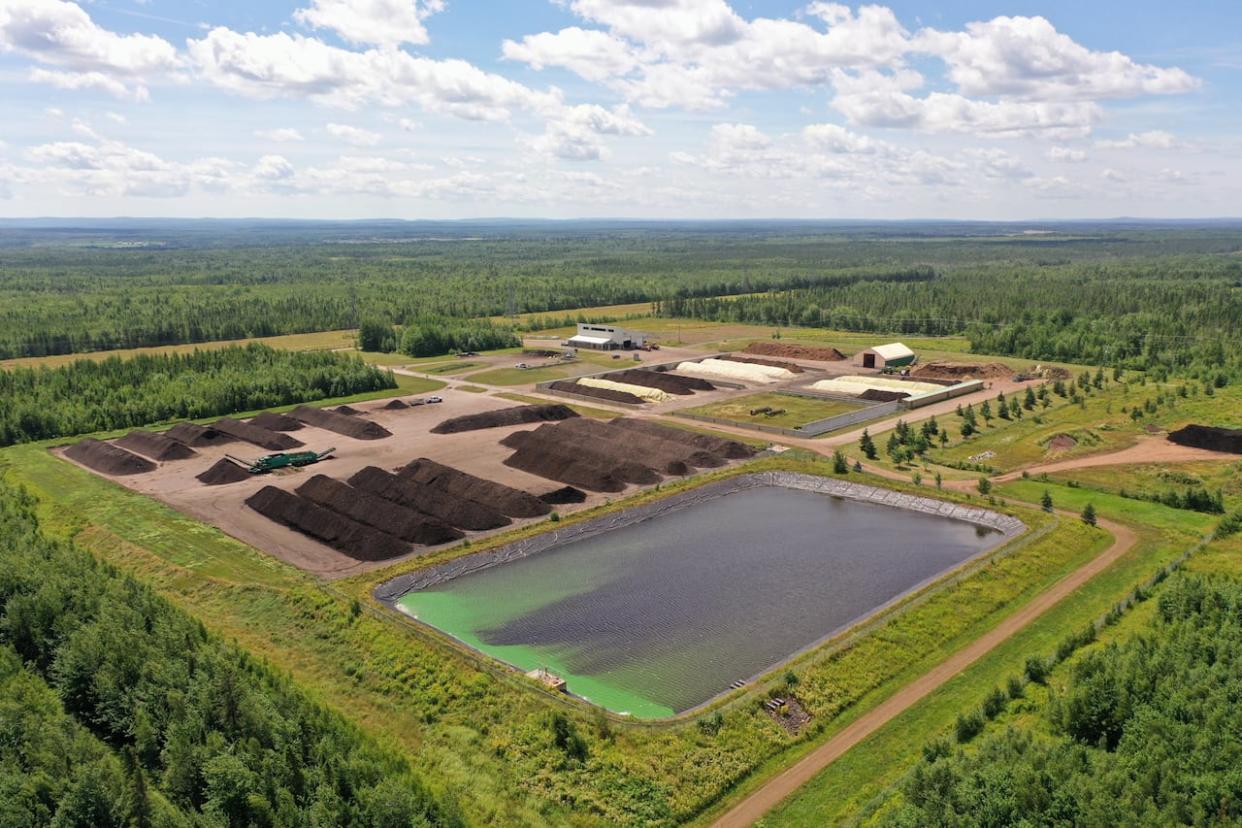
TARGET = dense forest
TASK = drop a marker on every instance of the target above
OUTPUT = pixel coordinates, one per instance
(433, 336)
(1145, 733)
(57, 297)
(195, 721)
(86, 396)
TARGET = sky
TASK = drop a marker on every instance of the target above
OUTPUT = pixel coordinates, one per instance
(965, 109)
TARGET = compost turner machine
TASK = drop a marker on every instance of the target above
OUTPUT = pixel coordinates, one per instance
(281, 460)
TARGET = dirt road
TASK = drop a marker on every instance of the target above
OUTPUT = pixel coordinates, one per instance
(781, 786)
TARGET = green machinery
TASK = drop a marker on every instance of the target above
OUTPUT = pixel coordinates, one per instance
(281, 460)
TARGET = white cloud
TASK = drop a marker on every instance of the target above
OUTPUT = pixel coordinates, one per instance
(838, 139)
(281, 135)
(86, 56)
(574, 135)
(595, 55)
(1115, 176)
(1067, 155)
(356, 136)
(1155, 139)
(372, 22)
(273, 168)
(116, 117)
(107, 168)
(1027, 57)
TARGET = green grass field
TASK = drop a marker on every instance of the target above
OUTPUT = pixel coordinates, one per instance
(797, 410)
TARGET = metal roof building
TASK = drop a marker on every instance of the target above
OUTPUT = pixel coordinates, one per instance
(893, 355)
(606, 337)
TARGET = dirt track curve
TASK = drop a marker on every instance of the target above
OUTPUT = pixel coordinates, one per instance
(782, 785)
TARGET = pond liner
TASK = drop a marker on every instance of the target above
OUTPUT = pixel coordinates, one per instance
(362, 543)
(563, 496)
(1213, 438)
(504, 499)
(349, 425)
(378, 513)
(515, 415)
(107, 458)
(730, 449)
(577, 459)
(606, 394)
(262, 437)
(393, 589)
(152, 444)
(222, 472)
(198, 436)
(464, 514)
(275, 422)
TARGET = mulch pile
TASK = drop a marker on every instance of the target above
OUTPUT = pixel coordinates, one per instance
(395, 405)
(356, 540)
(372, 510)
(107, 458)
(563, 495)
(731, 449)
(504, 499)
(516, 415)
(465, 514)
(650, 449)
(347, 424)
(346, 409)
(197, 436)
(1209, 437)
(223, 471)
(275, 422)
(792, 367)
(876, 395)
(962, 370)
(156, 446)
(672, 383)
(778, 349)
(265, 438)
(608, 394)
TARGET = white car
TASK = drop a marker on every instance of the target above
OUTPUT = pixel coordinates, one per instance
(432, 400)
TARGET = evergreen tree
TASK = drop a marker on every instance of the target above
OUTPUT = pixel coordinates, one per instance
(1088, 515)
(867, 445)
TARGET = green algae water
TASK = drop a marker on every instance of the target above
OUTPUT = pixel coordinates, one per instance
(657, 617)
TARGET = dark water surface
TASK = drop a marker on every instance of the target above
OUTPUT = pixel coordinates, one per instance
(662, 615)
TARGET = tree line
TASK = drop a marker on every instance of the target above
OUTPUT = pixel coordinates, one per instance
(86, 396)
(184, 729)
(436, 336)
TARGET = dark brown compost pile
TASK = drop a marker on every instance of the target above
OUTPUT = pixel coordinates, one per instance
(732, 449)
(563, 495)
(275, 422)
(348, 424)
(376, 512)
(157, 446)
(344, 534)
(671, 383)
(197, 436)
(395, 405)
(779, 349)
(878, 395)
(647, 448)
(771, 363)
(504, 499)
(577, 458)
(608, 394)
(223, 471)
(262, 437)
(1209, 437)
(465, 514)
(346, 409)
(107, 458)
(516, 415)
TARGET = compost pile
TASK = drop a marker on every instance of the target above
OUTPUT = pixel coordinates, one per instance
(563, 495)
(372, 510)
(958, 371)
(262, 437)
(347, 410)
(465, 514)
(222, 472)
(605, 457)
(516, 415)
(275, 422)
(771, 363)
(607, 394)
(778, 349)
(504, 499)
(880, 395)
(107, 458)
(1209, 437)
(197, 436)
(395, 405)
(347, 424)
(671, 383)
(303, 515)
(156, 446)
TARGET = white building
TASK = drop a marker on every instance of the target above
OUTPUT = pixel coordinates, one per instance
(606, 337)
(893, 355)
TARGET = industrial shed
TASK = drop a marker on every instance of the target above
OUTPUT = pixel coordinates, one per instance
(606, 337)
(893, 355)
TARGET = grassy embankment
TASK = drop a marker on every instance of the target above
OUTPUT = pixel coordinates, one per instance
(482, 735)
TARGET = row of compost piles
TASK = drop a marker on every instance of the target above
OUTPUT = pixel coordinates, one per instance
(771, 363)
(516, 415)
(504, 499)
(158, 447)
(262, 437)
(671, 383)
(465, 514)
(350, 425)
(605, 394)
(358, 541)
(372, 510)
(781, 349)
(106, 458)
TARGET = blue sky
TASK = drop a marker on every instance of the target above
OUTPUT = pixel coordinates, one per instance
(644, 108)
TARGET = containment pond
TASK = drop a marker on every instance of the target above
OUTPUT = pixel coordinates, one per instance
(659, 616)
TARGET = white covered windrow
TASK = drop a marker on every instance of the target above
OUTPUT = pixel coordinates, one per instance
(641, 391)
(855, 385)
(730, 371)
